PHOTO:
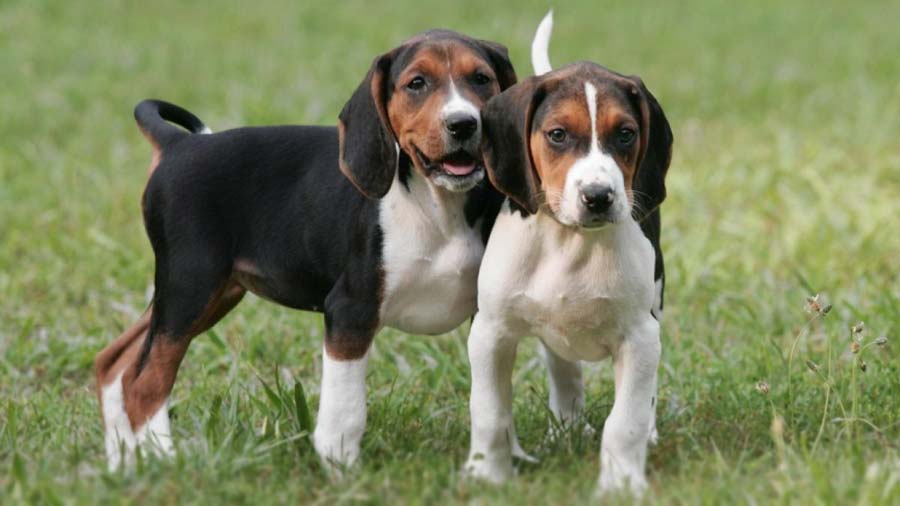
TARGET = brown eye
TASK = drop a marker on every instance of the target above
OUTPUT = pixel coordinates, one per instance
(625, 137)
(480, 79)
(557, 136)
(416, 84)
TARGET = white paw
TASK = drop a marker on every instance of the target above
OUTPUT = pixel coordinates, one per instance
(494, 470)
(617, 482)
(618, 474)
(120, 449)
(337, 454)
(155, 437)
(119, 439)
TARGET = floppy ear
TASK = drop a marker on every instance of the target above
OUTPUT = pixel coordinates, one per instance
(368, 156)
(655, 154)
(506, 120)
(499, 58)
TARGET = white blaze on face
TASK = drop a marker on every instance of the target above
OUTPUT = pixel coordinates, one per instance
(596, 168)
(456, 103)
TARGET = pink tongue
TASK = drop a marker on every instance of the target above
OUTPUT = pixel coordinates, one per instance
(458, 170)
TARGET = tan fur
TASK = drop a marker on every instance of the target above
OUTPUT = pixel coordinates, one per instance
(145, 390)
(120, 353)
(552, 165)
(570, 113)
(345, 349)
(610, 117)
(157, 152)
(415, 124)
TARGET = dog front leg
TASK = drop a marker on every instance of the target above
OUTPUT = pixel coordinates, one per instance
(623, 451)
(492, 354)
(342, 411)
(350, 326)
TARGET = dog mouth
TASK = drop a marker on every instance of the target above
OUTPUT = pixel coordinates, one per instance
(456, 164)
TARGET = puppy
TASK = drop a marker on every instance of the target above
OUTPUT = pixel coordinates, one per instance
(379, 222)
(574, 256)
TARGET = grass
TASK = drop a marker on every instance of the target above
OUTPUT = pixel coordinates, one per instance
(785, 183)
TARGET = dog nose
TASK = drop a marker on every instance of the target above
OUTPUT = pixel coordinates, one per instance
(461, 126)
(597, 198)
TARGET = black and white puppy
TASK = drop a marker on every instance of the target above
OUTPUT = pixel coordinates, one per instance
(380, 222)
(574, 256)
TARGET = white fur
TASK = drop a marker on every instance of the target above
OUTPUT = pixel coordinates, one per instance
(456, 103)
(596, 168)
(205, 130)
(430, 258)
(540, 46)
(342, 411)
(119, 438)
(458, 184)
(156, 434)
(587, 294)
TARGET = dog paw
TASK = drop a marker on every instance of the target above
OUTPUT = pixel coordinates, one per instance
(615, 481)
(337, 457)
(490, 469)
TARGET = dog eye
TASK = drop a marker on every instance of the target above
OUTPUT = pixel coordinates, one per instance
(557, 135)
(416, 84)
(625, 136)
(480, 79)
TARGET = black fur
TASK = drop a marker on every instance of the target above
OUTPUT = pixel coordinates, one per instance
(150, 113)
(506, 120)
(275, 200)
(367, 153)
(650, 179)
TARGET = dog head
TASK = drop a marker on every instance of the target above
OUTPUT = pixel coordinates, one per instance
(421, 103)
(587, 143)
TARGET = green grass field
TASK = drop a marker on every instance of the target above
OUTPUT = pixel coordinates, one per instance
(785, 183)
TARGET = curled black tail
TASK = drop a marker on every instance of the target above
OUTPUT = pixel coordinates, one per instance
(153, 117)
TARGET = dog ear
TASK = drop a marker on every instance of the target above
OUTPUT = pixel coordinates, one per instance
(506, 120)
(499, 58)
(368, 153)
(655, 153)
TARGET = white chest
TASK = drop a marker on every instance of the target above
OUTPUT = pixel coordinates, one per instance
(579, 291)
(431, 258)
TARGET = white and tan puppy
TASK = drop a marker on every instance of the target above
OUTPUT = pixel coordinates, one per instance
(574, 258)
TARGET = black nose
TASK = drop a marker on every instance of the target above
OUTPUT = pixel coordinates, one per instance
(597, 198)
(461, 126)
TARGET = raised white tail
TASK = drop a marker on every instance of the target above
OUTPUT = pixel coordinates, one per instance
(540, 46)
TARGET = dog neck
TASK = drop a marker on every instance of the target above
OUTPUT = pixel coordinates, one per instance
(439, 207)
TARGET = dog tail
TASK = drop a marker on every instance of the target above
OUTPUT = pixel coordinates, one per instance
(540, 46)
(153, 117)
